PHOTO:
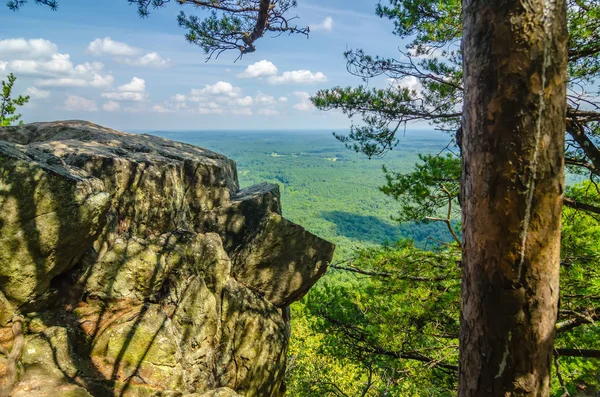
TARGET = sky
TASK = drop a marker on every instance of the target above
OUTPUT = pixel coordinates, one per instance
(96, 60)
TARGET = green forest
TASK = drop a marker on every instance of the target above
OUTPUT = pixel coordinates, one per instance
(409, 268)
(463, 197)
(326, 188)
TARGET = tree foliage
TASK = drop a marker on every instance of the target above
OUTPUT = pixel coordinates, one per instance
(8, 104)
(358, 314)
(433, 57)
(229, 25)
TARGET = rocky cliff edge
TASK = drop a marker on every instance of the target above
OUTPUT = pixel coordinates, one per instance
(132, 265)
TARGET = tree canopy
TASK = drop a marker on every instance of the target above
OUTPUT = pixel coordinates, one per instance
(400, 321)
(8, 104)
(229, 25)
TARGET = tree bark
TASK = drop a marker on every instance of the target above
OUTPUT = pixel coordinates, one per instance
(515, 73)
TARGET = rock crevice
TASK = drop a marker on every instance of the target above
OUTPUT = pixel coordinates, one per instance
(135, 266)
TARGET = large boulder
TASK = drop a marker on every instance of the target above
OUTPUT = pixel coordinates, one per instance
(132, 265)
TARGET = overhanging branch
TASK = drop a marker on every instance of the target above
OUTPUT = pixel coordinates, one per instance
(571, 203)
(586, 353)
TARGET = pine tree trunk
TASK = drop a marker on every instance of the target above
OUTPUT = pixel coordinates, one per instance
(515, 66)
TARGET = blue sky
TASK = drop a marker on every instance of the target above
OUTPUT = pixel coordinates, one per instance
(96, 60)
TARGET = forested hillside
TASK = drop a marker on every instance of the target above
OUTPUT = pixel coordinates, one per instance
(397, 282)
(468, 249)
(326, 188)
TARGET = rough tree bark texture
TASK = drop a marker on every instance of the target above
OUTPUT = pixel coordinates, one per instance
(515, 58)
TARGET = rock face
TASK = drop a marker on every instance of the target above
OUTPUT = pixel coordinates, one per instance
(132, 265)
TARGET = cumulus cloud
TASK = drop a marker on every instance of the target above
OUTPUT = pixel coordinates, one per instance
(151, 59)
(125, 53)
(303, 103)
(59, 71)
(283, 99)
(136, 85)
(221, 89)
(202, 109)
(108, 46)
(96, 81)
(57, 64)
(223, 98)
(267, 70)
(36, 93)
(259, 69)
(410, 82)
(326, 25)
(245, 101)
(27, 49)
(263, 99)
(40, 58)
(125, 96)
(134, 91)
(111, 106)
(77, 103)
(298, 77)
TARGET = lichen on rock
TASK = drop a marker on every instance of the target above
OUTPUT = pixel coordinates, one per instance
(135, 266)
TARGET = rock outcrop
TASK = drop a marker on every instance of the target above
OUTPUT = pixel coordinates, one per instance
(132, 265)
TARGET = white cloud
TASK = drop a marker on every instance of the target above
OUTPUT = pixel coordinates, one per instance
(97, 81)
(410, 82)
(170, 106)
(221, 91)
(304, 103)
(298, 77)
(125, 53)
(244, 102)
(150, 59)
(136, 85)
(268, 112)
(326, 25)
(36, 93)
(210, 110)
(223, 98)
(111, 106)
(221, 88)
(263, 99)
(125, 96)
(283, 99)
(75, 103)
(59, 71)
(27, 49)
(57, 64)
(134, 91)
(108, 46)
(259, 69)
(266, 69)
(40, 58)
